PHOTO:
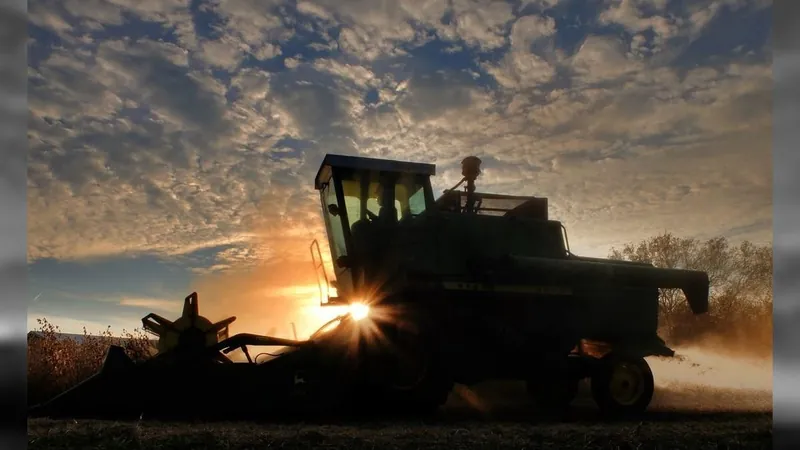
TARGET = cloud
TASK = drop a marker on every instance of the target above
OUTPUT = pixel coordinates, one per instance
(480, 23)
(521, 66)
(95, 13)
(602, 58)
(647, 15)
(164, 127)
(160, 305)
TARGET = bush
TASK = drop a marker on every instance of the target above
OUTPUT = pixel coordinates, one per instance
(740, 303)
(57, 362)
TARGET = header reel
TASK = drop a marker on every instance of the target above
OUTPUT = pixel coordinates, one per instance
(189, 334)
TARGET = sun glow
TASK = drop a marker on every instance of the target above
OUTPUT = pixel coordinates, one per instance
(317, 315)
(359, 311)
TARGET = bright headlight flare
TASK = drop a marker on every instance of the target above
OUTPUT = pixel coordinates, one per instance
(359, 311)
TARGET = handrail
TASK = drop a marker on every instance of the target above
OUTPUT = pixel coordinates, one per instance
(566, 239)
(317, 266)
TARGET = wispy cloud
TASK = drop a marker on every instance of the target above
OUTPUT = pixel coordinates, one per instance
(160, 305)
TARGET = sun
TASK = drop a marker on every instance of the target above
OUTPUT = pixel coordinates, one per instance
(359, 311)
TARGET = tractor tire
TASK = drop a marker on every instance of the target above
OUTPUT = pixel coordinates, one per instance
(414, 378)
(622, 385)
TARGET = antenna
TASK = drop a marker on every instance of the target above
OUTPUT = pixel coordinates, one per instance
(294, 331)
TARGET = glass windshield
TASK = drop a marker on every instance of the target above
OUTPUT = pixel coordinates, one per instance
(352, 200)
(409, 195)
(336, 238)
(333, 222)
(363, 197)
(363, 192)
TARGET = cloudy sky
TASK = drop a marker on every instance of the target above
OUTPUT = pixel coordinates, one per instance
(173, 143)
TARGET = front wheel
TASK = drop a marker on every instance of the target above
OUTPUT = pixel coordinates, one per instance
(622, 385)
(418, 383)
(408, 376)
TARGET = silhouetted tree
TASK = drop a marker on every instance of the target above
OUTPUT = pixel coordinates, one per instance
(741, 288)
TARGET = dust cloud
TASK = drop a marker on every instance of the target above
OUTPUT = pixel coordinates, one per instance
(703, 367)
(702, 379)
(730, 369)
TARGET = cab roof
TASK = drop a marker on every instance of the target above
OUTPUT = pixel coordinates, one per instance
(363, 163)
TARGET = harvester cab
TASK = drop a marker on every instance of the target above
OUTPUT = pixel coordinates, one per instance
(383, 225)
(363, 201)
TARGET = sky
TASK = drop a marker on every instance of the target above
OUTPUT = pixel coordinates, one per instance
(173, 144)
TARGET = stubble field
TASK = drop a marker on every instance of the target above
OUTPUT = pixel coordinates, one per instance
(703, 399)
(488, 417)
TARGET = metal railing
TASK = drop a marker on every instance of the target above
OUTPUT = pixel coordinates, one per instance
(319, 265)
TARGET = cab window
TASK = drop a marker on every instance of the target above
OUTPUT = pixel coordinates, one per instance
(409, 194)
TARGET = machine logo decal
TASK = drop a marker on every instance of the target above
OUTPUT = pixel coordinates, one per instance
(520, 289)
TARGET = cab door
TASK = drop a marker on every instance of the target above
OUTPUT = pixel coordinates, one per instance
(337, 239)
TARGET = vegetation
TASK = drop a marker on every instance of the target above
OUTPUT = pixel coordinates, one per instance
(740, 311)
(57, 362)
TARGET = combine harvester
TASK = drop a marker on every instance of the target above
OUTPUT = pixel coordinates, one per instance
(466, 288)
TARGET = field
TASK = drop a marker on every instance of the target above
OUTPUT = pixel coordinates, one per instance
(699, 417)
(741, 431)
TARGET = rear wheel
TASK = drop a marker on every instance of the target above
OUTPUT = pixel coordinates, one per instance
(622, 385)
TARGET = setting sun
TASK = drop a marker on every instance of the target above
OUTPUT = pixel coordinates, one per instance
(359, 311)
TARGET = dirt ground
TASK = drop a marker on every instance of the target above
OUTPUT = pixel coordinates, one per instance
(487, 417)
